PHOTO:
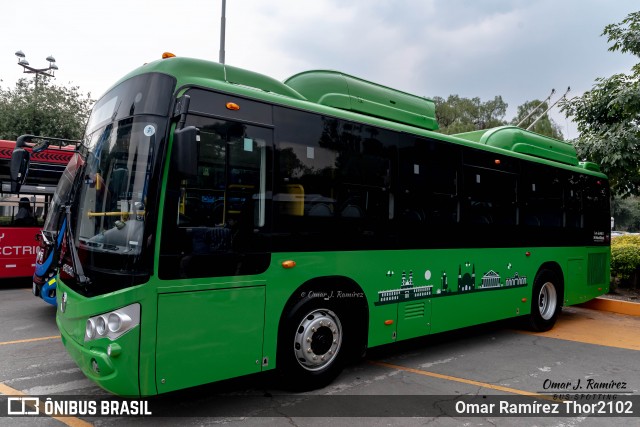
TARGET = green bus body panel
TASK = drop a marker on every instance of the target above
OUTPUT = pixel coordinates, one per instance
(118, 375)
(474, 309)
(346, 92)
(195, 331)
(208, 336)
(525, 142)
(590, 166)
(414, 319)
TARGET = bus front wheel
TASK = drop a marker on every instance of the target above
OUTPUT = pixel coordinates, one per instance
(546, 301)
(312, 344)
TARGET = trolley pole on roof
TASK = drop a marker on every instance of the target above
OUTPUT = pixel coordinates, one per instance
(535, 109)
(547, 110)
(222, 30)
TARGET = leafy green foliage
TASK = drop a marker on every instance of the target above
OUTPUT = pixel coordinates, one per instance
(457, 115)
(625, 256)
(39, 107)
(608, 116)
(544, 126)
(626, 213)
(624, 35)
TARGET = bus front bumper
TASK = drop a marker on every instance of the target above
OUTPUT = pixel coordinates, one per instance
(46, 290)
(113, 365)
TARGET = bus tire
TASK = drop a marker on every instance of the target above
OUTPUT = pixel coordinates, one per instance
(546, 301)
(313, 344)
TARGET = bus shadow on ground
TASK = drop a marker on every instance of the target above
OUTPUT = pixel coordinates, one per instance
(263, 395)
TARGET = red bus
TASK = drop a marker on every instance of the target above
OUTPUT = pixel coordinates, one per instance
(22, 214)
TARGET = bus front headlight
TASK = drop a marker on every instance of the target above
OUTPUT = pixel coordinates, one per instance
(100, 325)
(90, 330)
(112, 324)
(118, 321)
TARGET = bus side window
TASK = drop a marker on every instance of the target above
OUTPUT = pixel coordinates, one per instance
(573, 201)
(596, 200)
(334, 181)
(491, 196)
(541, 202)
(221, 210)
(428, 189)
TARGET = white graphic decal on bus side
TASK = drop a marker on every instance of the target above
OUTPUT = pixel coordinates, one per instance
(467, 283)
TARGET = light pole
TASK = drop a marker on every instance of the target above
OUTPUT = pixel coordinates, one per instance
(26, 68)
(223, 19)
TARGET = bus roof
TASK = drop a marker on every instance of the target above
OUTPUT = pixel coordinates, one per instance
(333, 92)
(346, 92)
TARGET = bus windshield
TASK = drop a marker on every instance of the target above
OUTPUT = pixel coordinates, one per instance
(122, 140)
(52, 221)
(116, 178)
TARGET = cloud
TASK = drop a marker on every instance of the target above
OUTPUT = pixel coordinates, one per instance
(518, 49)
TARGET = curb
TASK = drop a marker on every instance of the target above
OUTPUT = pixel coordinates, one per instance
(613, 306)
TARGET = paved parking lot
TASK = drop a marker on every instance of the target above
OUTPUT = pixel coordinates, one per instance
(589, 352)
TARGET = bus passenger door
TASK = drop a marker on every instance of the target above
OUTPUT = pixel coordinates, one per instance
(211, 302)
(215, 220)
(207, 336)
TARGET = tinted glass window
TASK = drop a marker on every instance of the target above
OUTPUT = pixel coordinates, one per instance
(573, 200)
(144, 94)
(596, 200)
(490, 189)
(428, 190)
(334, 177)
(216, 220)
(216, 104)
(542, 197)
(490, 197)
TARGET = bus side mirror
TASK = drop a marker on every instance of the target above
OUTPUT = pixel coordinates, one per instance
(185, 150)
(18, 168)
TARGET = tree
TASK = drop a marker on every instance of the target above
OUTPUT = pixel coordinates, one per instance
(457, 115)
(626, 213)
(544, 126)
(608, 116)
(39, 107)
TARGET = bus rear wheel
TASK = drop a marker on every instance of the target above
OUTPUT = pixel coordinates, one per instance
(545, 302)
(312, 347)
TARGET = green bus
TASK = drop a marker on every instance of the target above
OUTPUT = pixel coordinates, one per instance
(225, 223)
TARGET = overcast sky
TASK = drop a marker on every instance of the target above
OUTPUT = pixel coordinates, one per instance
(519, 49)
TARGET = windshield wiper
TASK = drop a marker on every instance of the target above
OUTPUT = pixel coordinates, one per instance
(77, 265)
